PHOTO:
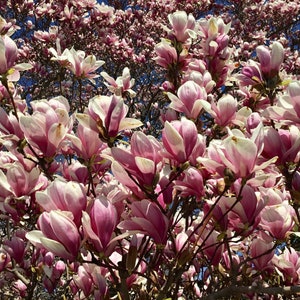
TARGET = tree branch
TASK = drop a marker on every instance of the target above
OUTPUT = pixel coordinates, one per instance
(239, 290)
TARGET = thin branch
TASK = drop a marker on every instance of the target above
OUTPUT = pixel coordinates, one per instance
(239, 290)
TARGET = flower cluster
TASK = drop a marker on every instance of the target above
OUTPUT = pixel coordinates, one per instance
(170, 173)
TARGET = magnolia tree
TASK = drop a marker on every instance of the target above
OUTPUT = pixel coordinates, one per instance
(149, 150)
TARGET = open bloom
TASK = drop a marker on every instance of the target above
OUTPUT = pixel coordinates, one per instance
(288, 265)
(78, 63)
(47, 126)
(237, 153)
(183, 26)
(287, 110)
(191, 184)
(86, 144)
(58, 234)
(65, 196)
(121, 85)
(264, 74)
(8, 58)
(147, 218)
(188, 100)
(285, 144)
(225, 110)
(107, 115)
(278, 219)
(90, 279)
(143, 161)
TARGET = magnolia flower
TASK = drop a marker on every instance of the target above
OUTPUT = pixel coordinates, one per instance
(77, 62)
(58, 234)
(188, 100)
(107, 115)
(262, 251)
(183, 26)
(270, 61)
(99, 224)
(287, 110)
(90, 278)
(288, 265)
(237, 153)
(278, 219)
(212, 249)
(8, 57)
(146, 217)
(264, 74)
(179, 139)
(214, 35)
(285, 144)
(86, 142)
(166, 54)
(121, 85)
(47, 126)
(64, 196)
(225, 110)
(191, 184)
(143, 160)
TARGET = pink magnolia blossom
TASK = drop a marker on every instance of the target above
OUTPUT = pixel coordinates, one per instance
(251, 75)
(270, 61)
(288, 265)
(214, 32)
(236, 152)
(8, 58)
(78, 63)
(47, 126)
(166, 54)
(244, 216)
(225, 110)
(232, 261)
(75, 171)
(86, 142)
(188, 100)
(9, 124)
(91, 280)
(99, 224)
(278, 219)
(143, 160)
(179, 139)
(64, 196)
(285, 144)
(183, 26)
(146, 217)
(197, 72)
(287, 110)
(6, 27)
(107, 115)
(192, 184)
(21, 181)
(262, 251)
(264, 74)
(121, 85)
(53, 275)
(83, 280)
(58, 234)
(21, 287)
(58, 55)
(214, 44)
(212, 249)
